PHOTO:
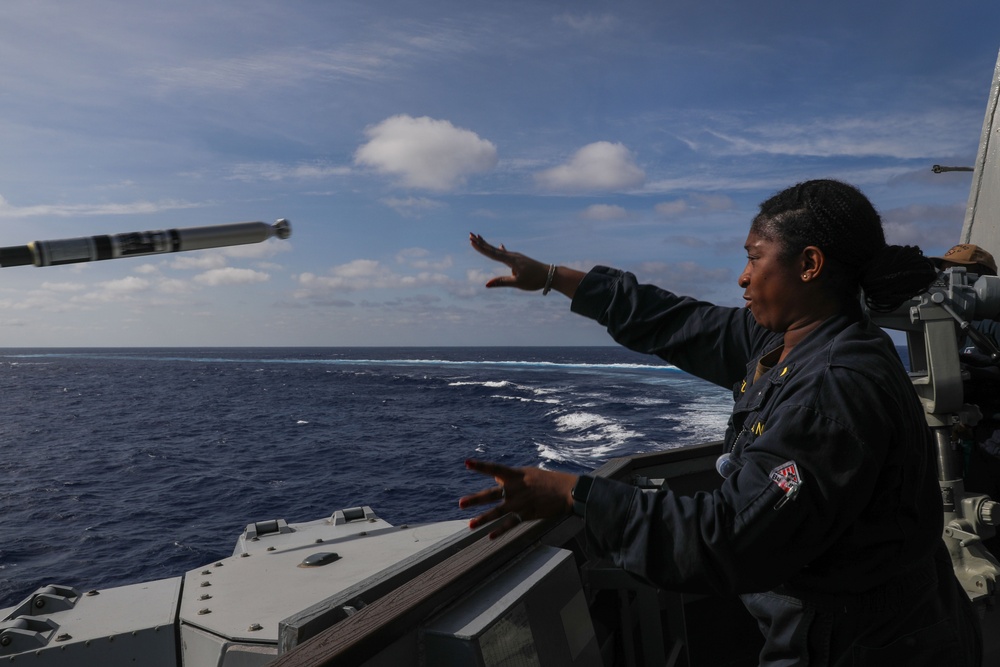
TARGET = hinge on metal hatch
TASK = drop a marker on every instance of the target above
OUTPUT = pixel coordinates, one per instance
(46, 600)
(255, 531)
(25, 633)
(349, 514)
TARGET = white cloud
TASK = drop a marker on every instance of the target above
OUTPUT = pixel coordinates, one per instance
(173, 286)
(701, 203)
(670, 209)
(268, 248)
(600, 166)
(69, 210)
(231, 276)
(198, 261)
(712, 203)
(915, 134)
(272, 171)
(589, 24)
(278, 69)
(412, 207)
(425, 153)
(126, 285)
(62, 287)
(418, 258)
(604, 212)
(363, 274)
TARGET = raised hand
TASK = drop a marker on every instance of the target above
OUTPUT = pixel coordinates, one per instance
(526, 273)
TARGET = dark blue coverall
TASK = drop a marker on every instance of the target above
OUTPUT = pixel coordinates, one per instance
(829, 525)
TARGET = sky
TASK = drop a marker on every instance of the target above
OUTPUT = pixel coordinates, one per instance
(640, 135)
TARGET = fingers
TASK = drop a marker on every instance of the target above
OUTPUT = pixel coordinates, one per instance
(497, 470)
(511, 520)
(480, 245)
(502, 474)
(496, 494)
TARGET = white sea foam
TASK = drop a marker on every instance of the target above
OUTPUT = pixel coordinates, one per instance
(493, 384)
(579, 421)
(523, 399)
(704, 418)
(586, 437)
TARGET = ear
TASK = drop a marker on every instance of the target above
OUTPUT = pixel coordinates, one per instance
(811, 262)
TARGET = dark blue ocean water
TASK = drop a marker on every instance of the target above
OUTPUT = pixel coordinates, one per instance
(127, 465)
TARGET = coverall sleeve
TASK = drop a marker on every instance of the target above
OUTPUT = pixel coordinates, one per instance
(711, 342)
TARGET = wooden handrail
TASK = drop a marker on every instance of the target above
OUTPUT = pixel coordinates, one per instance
(379, 624)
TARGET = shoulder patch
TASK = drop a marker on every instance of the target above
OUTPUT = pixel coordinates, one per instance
(786, 476)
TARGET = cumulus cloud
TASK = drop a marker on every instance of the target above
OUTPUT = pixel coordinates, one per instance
(231, 276)
(600, 166)
(425, 153)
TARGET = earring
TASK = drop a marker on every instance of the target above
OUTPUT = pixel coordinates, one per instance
(805, 276)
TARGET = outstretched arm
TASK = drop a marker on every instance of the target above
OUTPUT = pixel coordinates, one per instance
(527, 273)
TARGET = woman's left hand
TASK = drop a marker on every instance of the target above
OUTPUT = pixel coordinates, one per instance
(524, 494)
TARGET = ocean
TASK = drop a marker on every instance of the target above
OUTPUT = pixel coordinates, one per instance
(127, 465)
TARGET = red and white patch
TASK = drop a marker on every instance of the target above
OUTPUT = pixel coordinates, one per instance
(786, 476)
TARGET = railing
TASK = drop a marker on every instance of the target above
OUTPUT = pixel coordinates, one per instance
(380, 623)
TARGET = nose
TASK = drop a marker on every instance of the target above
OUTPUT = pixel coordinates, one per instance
(744, 279)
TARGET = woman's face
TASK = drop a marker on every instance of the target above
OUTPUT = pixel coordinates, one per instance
(771, 285)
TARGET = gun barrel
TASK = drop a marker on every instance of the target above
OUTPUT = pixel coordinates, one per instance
(134, 244)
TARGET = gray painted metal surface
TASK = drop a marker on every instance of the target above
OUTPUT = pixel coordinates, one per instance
(982, 215)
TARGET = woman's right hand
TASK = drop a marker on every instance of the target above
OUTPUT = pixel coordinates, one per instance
(525, 273)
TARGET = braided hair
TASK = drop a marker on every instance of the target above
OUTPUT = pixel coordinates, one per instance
(839, 220)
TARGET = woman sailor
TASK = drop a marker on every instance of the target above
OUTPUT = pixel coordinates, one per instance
(828, 524)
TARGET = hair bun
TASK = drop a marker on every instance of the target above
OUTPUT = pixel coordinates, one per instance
(894, 274)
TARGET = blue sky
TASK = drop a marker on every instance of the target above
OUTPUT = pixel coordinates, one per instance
(635, 134)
